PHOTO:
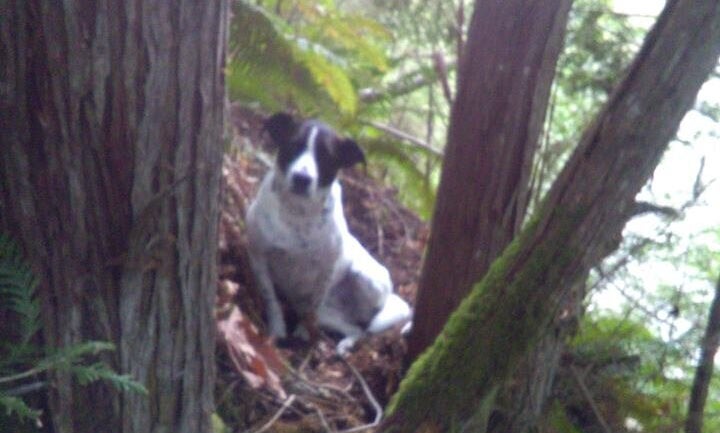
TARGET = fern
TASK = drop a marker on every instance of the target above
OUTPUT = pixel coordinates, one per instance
(86, 374)
(15, 405)
(266, 67)
(416, 190)
(21, 360)
(17, 288)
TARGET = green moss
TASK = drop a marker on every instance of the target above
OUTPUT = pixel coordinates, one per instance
(489, 332)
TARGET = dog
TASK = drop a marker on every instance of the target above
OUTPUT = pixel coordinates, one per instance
(300, 248)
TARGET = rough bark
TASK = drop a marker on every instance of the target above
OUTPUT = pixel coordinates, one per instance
(111, 137)
(522, 401)
(503, 90)
(704, 372)
(579, 222)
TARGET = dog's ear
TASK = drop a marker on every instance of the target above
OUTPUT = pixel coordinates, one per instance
(281, 127)
(349, 153)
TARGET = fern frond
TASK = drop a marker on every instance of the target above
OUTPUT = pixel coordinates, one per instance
(268, 68)
(15, 356)
(416, 190)
(71, 355)
(15, 405)
(17, 288)
(86, 374)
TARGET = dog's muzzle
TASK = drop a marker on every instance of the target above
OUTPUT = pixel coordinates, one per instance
(300, 183)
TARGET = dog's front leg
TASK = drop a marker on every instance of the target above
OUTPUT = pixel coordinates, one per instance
(273, 310)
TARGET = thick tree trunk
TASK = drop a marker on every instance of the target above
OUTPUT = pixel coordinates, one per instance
(522, 401)
(580, 221)
(704, 372)
(111, 137)
(503, 89)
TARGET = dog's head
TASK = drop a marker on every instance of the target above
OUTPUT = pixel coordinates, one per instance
(310, 153)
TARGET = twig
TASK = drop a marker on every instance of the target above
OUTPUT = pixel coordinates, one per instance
(441, 70)
(301, 376)
(406, 84)
(304, 363)
(323, 421)
(591, 401)
(25, 389)
(277, 415)
(405, 136)
(371, 398)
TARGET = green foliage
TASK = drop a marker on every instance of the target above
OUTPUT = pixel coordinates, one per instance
(307, 59)
(558, 419)
(14, 405)
(599, 45)
(22, 361)
(415, 189)
(17, 289)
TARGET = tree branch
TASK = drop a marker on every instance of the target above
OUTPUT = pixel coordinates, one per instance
(704, 372)
(405, 84)
(643, 207)
(589, 398)
(405, 137)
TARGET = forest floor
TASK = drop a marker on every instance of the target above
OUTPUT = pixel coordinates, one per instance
(262, 387)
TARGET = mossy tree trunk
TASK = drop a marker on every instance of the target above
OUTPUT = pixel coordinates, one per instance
(111, 138)
(579, 222)
(504, 85)
(495, 128)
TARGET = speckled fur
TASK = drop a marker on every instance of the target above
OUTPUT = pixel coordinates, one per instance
(299, 244)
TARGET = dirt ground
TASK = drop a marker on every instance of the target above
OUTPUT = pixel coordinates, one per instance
(299, 388)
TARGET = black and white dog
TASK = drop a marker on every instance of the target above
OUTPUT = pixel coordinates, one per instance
(300, 248)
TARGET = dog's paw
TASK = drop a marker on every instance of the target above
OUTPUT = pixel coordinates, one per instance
(345, 345)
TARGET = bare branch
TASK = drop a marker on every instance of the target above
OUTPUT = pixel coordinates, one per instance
(441, 70)
(407, 83)
(644, 207)
(371, 398)
(277, 415)
(589, 398)
(405, 137)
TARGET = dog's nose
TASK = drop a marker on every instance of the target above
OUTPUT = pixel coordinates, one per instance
(300, 183)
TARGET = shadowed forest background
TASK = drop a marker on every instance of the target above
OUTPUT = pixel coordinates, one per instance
(541, 183)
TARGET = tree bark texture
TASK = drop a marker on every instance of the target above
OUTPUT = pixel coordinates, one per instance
(704, 372)
(579, 222)
(111, 138)
(504, 82)
(522, 401)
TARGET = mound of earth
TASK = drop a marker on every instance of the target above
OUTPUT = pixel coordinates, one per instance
(265, 388)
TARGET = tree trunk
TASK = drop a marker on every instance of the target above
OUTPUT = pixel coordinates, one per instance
(579, 222)
(704, 372)
(522, 401)
(503, 90)
(111, 138)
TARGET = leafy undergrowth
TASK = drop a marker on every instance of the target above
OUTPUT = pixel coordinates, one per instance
(265, 388)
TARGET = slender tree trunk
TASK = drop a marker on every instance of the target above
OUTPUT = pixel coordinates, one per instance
(579, 222)
(704, 372)
(503, 90)
(111, 138)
